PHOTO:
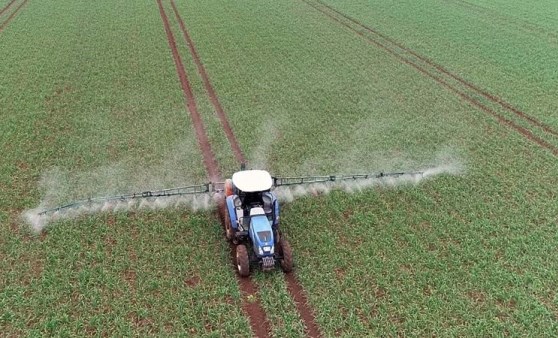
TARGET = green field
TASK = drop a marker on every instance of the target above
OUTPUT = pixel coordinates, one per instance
(91, 105)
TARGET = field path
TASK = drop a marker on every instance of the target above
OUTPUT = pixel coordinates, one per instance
(8, 5)
(256, 314)
(517, 23)
(301, 301)
(464, 89)
(12, 16)
(208, 156)
(209, 88)
(294, 287)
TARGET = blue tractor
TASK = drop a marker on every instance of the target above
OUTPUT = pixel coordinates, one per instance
(251, 220)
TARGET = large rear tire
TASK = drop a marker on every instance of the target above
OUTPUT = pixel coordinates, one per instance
(242, 261)
(287, 256)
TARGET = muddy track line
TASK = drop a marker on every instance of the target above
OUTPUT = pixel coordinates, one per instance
(492, 14)
(494, 98)
(432, 74)
(256, 314)
(294, 288)
(8, 5)
(14, 13)
(301, 302)
(208, 157)
(209, 88)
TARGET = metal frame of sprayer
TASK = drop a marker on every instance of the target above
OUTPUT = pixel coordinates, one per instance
(250, 211)
(213, 187)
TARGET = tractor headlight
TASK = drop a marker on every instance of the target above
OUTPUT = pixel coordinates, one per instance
(272, 250)
(268, 249)
(260, 251)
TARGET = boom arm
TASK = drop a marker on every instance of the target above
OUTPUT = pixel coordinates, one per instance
(280, 181)
(216, 187)
(180, 191)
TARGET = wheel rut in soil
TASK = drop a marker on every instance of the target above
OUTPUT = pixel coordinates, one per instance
(254, 310)
(5, 23)
(301, 302)
(208, 156)
(209, 88)
(8, 5)
(486, 102)
(294, 288)
(493, 15)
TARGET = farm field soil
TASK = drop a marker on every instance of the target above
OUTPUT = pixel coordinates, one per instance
(507, 48)
(449, 249)
(90, 104)
(90, 94)
(251, 306)
(256, 314)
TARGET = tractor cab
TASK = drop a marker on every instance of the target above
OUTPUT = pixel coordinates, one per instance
(250, 184)
(250, 189)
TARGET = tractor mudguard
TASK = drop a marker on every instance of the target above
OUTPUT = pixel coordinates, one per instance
(232, 211)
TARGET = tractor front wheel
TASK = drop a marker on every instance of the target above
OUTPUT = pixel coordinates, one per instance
(277, 237)
(242, 261)
(287, 256)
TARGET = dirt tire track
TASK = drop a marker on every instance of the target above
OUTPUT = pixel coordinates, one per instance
(209, 88)
(6, 7)
(256, 314)
(301, 302)
(295, 289)
(470, 85)
(471, 100)
(12, 16)
(528, 27)
(208, 156)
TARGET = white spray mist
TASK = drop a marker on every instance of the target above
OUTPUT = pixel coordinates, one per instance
(269, 135)
(194, 202)
(447, 163)
(60, 186)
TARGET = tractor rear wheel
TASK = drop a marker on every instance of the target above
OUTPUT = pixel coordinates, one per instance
(242, 261)
(287, 256)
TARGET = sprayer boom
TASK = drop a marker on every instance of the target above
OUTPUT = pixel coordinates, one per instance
(217, 187)
(180, 191)
(279, 181)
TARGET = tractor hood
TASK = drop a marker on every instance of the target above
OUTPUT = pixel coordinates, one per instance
(262, 235)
